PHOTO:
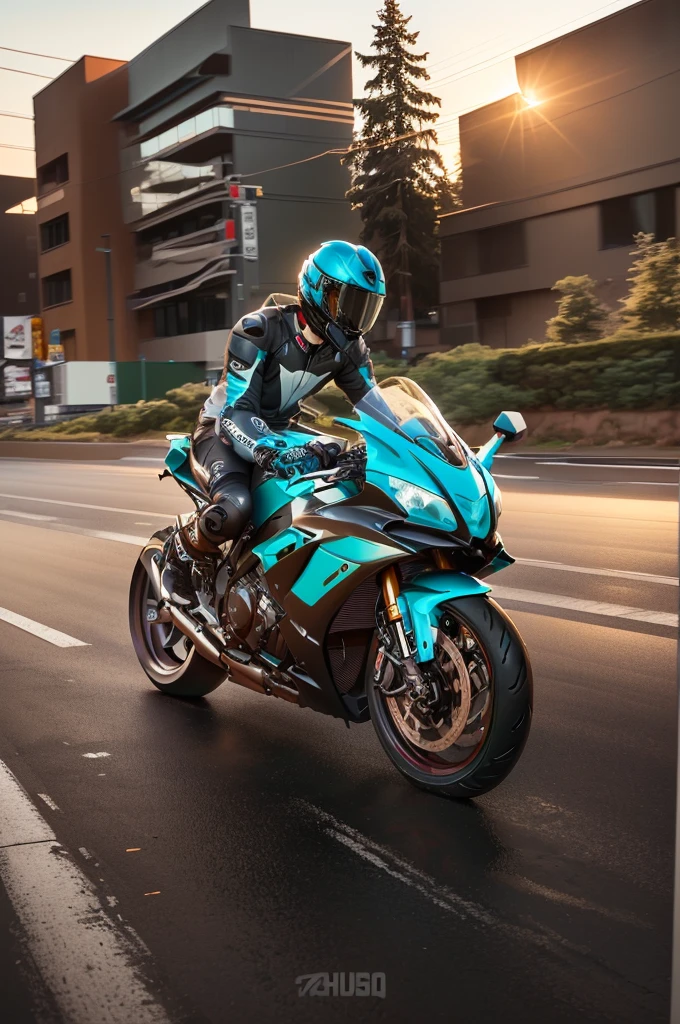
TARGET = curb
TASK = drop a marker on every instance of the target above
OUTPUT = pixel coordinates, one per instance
(90, 451)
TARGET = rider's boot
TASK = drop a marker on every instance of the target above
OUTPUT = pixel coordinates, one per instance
(196, 544)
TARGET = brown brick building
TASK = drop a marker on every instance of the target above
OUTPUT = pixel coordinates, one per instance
(78, 190)
(561, 186)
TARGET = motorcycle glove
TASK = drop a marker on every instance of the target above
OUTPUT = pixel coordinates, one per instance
(307, 458)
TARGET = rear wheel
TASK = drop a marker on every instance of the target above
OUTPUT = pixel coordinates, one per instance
(464, 734)
(169, 658)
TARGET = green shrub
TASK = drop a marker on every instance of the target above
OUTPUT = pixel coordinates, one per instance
(470, 384)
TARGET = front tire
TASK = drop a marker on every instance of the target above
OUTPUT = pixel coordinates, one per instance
(169, 658)
(493, 690)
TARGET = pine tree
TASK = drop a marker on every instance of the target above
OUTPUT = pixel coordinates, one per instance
(580, 314)
(400, 186)
(653, 302)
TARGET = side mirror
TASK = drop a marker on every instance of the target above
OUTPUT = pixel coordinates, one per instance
(511, 425)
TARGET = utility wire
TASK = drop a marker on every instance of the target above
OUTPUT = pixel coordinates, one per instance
(6, 145)
(517, 48)
(30, 53)
(33, 74)
(13, 113)
(337, 152)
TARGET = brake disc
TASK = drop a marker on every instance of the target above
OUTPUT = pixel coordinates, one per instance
(439, 729)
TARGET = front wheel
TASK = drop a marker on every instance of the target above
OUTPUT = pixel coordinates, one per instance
(169, 659)
(465, 733)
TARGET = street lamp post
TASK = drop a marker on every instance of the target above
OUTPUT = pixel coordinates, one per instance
(106, 249)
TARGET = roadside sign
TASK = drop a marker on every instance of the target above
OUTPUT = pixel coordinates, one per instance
(249, 231)
(55, 351)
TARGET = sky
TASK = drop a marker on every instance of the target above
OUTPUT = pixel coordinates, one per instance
(470, 46)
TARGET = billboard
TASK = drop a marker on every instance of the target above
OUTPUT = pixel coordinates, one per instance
(17, 337)
(17, 380)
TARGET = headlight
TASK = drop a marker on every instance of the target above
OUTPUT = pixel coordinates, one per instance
(422, 506)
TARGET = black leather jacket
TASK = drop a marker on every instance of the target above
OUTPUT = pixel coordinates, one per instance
(269, 368)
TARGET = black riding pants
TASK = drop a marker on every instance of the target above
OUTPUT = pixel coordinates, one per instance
(229, 478)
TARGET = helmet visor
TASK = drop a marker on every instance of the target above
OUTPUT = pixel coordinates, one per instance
(353, 309)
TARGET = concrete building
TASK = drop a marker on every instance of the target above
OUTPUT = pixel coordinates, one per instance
(18, 258)
(558, 177)
(211, 99)
(147, 152)
(78, 193)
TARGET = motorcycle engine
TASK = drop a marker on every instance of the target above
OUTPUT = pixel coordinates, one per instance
(249, 612)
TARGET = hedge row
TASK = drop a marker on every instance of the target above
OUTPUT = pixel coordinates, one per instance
(470, 384)
(628, 371)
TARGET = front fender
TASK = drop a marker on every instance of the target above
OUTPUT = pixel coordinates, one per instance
(420, 600)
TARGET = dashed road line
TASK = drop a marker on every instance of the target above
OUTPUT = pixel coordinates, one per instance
(624, 574)
(96, 508)
(576, 604)
(608, 465)
(52, 636)
(26, 515)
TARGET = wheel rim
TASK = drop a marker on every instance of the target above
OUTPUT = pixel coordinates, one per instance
(164, 648)
(446, 740)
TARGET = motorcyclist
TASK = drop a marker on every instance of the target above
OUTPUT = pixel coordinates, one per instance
(274, 358)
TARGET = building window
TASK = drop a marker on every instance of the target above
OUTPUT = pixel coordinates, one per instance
(624, 216)
(502, 248)
(57, 288)
(54, 232)
(53, 174)
(488, 251)
(190, 315)
(215, 117)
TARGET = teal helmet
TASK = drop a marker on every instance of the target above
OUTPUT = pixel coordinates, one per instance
(341, 286)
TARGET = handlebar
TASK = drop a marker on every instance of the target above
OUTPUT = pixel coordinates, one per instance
(353, 458)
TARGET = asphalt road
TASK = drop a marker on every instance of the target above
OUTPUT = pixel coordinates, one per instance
(237, 843)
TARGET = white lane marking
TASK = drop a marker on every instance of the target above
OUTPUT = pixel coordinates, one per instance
(122, 538)
(608, 465)
(624, 574)
(440, 895)
(139, 458)
(53, 636)
(20, 820)
(97, 508)
(49, 801)
(513, 476)
(26, 515)
(86, 961)
(142, 524)
(555, 896)
(100, 753)
(642, 483)
(576, 604)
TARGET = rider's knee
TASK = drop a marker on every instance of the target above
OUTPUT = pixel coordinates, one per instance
(231, 512)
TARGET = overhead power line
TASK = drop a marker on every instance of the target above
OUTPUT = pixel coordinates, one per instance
(30, 53)
(33, 74)
(6, 145)
(517, 48)
(13, 113)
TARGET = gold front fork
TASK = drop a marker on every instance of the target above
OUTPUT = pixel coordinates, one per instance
(390, 592)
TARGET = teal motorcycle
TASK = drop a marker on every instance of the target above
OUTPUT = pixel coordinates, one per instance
(358, 592)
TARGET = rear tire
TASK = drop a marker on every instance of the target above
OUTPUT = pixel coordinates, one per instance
(508, 712)
(169, 659)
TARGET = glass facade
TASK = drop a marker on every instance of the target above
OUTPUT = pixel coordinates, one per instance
(164, 182)
(215, 117)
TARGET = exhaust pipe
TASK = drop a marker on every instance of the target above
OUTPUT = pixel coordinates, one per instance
(250, 676)
(253, 678)
(197, 636)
